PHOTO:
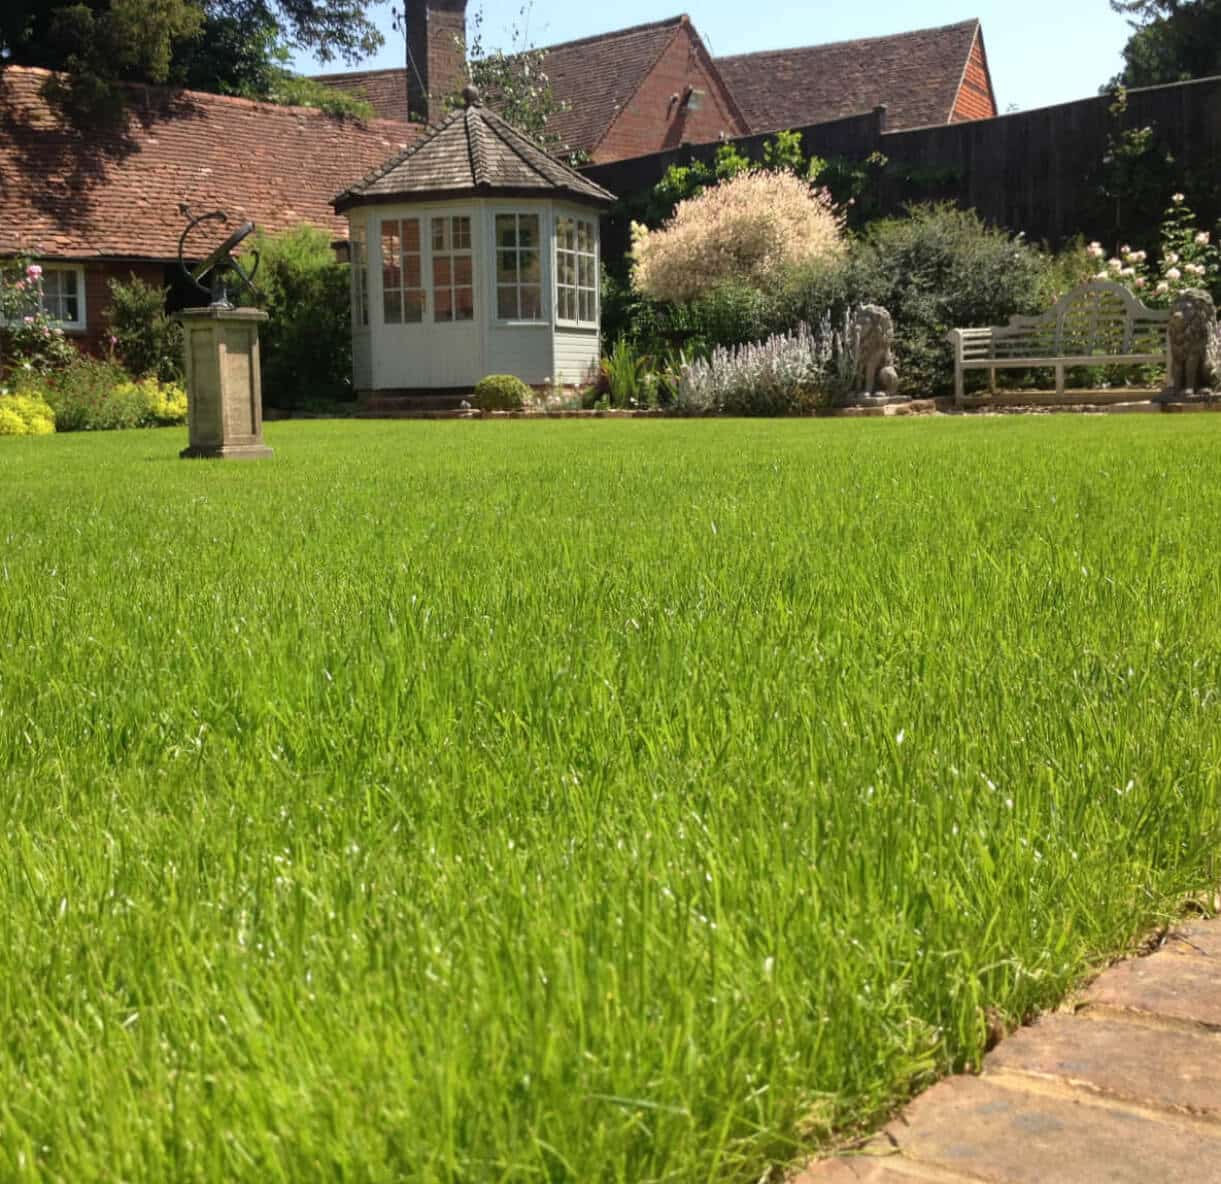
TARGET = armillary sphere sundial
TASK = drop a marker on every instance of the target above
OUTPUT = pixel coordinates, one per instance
(221, 344)
(220, 262)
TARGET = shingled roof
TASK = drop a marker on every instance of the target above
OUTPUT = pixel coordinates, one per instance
(114, 193)
(916, 75)
(473, 152)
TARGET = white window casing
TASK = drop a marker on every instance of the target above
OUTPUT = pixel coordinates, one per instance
(576, 271)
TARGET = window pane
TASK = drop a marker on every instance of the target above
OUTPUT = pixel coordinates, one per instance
(68, 305)
(413, 307)
(390, 242)
(506, 230)
(506, 303)
(440, 234)
(411, 235)
(393, 312)
(411, 271)
(584, 236)
(392, 278)
(587, 306)
(445, 305)
(531, 267)
(440, 270)
(586, 271)
(462, 269)
(531, 302)
(464, 304)
(528, 233)
(506, 267)
(462, 234)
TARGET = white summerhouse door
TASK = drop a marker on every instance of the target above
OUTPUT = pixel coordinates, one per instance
(401, 320)
(456, 354)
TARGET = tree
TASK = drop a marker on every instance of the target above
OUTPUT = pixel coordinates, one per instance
(1172, 40)
(229, 46)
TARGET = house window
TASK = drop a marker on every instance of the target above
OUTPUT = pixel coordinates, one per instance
(519, 268)
(453, 267)
(62, 289)
(360, 275)
(576, 271)
(402, 284)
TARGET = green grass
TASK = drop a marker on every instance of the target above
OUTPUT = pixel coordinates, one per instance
(577, 801)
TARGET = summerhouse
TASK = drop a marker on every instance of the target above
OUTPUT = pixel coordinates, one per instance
(473, 252)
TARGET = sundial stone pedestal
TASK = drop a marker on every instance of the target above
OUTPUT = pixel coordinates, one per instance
(224, 387)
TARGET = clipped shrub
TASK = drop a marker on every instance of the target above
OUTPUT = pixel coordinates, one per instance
(306, 344)
(752, 229)
(501, 392)
(145, 338)
(788, 374)
(25, 415)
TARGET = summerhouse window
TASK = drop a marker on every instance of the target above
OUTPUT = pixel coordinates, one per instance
(576, 271)
(519, 267)
(360, 275)
(402, 283)
(453, 269)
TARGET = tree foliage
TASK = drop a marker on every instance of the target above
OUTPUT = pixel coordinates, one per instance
(1172, 40)
(228, 46)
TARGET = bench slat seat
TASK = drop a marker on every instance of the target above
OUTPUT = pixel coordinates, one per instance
(1098, 323)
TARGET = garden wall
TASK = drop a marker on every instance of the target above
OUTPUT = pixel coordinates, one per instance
(1038, 171)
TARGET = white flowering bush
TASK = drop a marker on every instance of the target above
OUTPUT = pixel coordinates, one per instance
(788, 374)
(755, 228)
(1189, 259)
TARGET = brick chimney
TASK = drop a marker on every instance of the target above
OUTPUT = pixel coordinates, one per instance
(436, 56)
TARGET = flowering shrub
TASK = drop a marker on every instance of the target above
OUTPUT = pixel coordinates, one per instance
(754, 228)
(25, 415)
(93, 395)
(788, 374)
(1189, 259)
(28, 338)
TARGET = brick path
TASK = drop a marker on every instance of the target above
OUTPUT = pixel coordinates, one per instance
(1125, 1090)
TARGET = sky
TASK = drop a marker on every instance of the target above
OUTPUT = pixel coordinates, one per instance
(1040, 51)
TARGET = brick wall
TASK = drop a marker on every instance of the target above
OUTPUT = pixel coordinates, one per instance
(657, 119)
(436, 48)
(975, 99)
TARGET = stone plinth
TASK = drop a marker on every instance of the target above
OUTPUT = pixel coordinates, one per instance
(224, 387)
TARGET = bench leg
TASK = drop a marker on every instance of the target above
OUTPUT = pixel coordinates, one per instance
(959, 386)
(992, 380)
(1060, 380)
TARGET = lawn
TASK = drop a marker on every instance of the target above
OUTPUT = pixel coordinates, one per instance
(625, 801)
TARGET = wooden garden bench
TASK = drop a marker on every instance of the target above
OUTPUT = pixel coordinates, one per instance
(1099, 323)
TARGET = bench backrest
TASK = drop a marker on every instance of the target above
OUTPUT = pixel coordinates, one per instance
(1097, 318)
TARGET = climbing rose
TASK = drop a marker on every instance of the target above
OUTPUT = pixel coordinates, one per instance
(753, 228)
(1202, 239)
(33, 271)
(1174, 274)
(1095, 251)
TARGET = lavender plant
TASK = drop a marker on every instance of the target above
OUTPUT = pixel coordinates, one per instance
(788, 374)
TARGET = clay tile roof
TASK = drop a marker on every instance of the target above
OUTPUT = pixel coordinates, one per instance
(472, 152)
(594, 78)
(916, 75)
(386, 90)
(73, 194)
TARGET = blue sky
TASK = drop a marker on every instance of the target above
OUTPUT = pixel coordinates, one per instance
(1040, 51)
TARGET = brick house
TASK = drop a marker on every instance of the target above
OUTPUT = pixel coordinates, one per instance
(92, 206)
(652, 87)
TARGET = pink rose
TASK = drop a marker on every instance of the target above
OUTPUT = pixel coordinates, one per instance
(33, 271)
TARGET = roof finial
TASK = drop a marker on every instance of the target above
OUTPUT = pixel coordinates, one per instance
(470, 96)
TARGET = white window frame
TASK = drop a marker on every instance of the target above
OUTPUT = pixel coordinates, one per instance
(359, 261)
(578, 254)
(543, 318)
(82, 313)
(450, 251)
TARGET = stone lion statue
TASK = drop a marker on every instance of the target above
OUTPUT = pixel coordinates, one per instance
(1195, 349)
(874, 333)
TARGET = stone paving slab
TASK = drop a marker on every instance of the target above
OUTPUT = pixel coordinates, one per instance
(1171, 985)
(1172, 1069)
(1126, 1090)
